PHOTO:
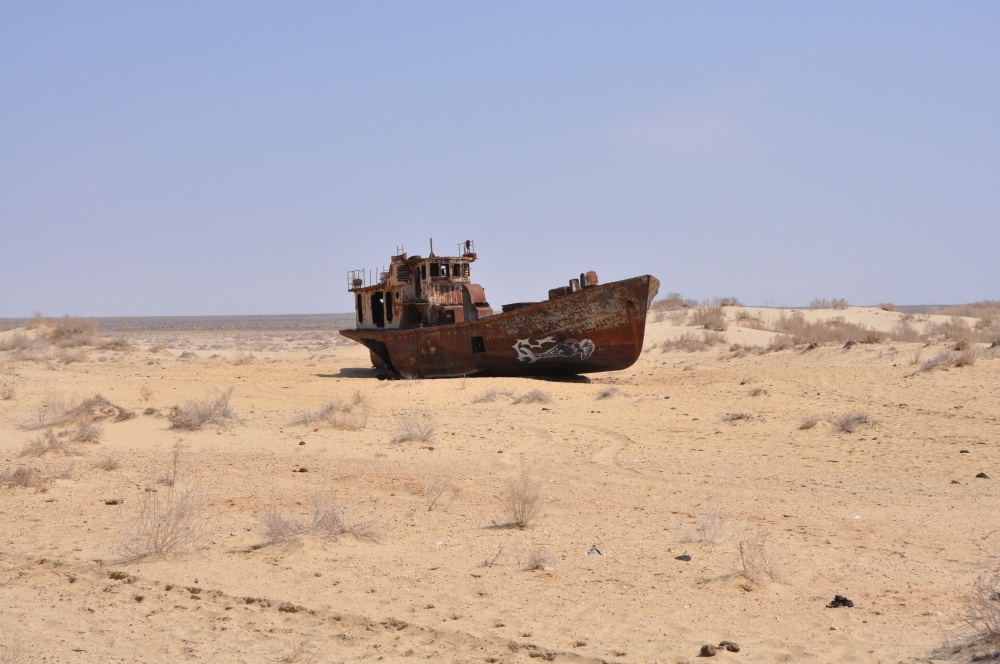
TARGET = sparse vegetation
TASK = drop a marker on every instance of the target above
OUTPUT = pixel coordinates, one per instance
(72, 331)
(853, 421)
(57, 409)
(326, 519)
(539, 559)
(965, 357)
(710, 523)
(737, 417)
(47, 443)
(169, 518)
(243, 358)
(690, 342)
(492, 394)
(22, 477)
(608, 392)
(106, 463)
(435, 487)
(522, 499)
(349, 417)
(532, 396)
(756, 564)
(145, 392)
(809, 422)
(194, 415)
(980, 613)
(710, 318)
(415, 429)
(758, 392)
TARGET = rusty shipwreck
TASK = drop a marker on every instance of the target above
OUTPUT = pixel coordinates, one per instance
(424, 318)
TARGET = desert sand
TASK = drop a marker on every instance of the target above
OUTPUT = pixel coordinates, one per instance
(697, 454)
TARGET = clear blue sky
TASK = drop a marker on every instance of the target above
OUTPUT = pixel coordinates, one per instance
(239, 157)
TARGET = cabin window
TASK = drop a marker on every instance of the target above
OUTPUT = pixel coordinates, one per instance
(423, 271)
(435, 270)
(378, 308)
(361, 309)
(478, 345)
(456, 270)
(465, 270)
(388, 306)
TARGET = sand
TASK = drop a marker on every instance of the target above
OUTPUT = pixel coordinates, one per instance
(689, 453)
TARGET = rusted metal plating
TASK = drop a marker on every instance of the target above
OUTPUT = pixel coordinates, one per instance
(424, 318)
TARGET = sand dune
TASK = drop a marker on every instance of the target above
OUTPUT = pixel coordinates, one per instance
(685, 453)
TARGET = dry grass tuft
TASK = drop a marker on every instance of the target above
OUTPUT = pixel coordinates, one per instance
(809, 422)
(758, 392)
(48, 443)
(326, 519)
(710, 318)
(980, 613)
(964, 357)
(145, 392)
(608, 392)
(690, 342)
(168, 519)
(737, 417)
(532, 396)
(756, 564)
(851, 422)
(888, 306)
(348, 417)
(492, 394)
(522, 499)
(58, 410)
(244, 358)
(87, 432)
(71, 331)
(710, 524)
(106, 464)
(435, 487)
(171, 517)
(22, 477)
(415, 429)
(194, 415)
(539, 559)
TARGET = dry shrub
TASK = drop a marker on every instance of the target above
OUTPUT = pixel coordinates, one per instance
(983, 309)
(710, 318)
(119, 341)
(532, 396)
(522, 499)
(22, 477)
(59, 410)
(832, 330)
(608, 392)
(539, 559)
(14, 648)
(168, 519)
(756, 563)
(691, 343)
(69, 357)
(194, 415)
(820, 303)
(710, 524)
(954, 329)
(737, 417)
(853, 421)
(326, 519)
(980, 613)
(839, 303)
(809, 422)
(948, 358)
(171, 517)
(47, 443)
(435, 487)
(106, 464)
(87, 432)
(758, 392)
(726, 302)
(415, 429)
(72, 331)
(492, 394)
(244, 358)
(905, 332)
(145, 392)
(338, 415)
(672, 302)
(20, 341)
(888, 306)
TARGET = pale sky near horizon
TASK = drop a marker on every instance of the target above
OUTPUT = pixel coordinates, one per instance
(191, 158)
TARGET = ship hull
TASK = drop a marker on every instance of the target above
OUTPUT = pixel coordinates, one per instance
(600, 328)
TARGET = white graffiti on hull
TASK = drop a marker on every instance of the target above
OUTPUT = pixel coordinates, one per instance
(570, 347)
